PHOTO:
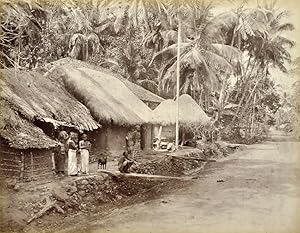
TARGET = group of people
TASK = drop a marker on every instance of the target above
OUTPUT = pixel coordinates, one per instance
(74, 151)
(72, 155)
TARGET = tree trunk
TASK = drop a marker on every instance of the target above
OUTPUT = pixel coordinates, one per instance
(253, 116)
(243, 96)
(250, 96)
(221, 99)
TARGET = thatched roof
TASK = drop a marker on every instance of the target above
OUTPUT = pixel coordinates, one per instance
(139, 91)
(28, 96)
(108, 99)
(21, 133)
(189, 112)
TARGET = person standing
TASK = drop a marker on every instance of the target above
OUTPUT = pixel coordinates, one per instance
(84, 147)
(128, 143)
(72, 158)
(60, 152)
(131, 141)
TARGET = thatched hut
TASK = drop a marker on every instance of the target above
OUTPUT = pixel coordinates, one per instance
(190, 113)
(109, 101)
(30, 103)
(150, 99)
(147, 97)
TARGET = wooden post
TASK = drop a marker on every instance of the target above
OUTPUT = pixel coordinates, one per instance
(31, 158)
(22, 166)
(106, 138)
(178, 80)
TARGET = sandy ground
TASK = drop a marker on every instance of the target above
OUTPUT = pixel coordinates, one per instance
(260, 193)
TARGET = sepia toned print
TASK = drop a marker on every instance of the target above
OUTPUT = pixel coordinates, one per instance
(149, 116)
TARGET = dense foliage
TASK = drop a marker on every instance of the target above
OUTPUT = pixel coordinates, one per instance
(224, 61)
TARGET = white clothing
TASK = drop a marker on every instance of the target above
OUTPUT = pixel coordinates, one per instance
(85, 154)
(72, 162)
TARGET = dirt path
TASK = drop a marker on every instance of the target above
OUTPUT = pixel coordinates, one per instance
(259, 194)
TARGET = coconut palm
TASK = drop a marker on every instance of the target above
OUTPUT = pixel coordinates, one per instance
(21, 26)
(83, 46)
(78, 25)
(264, 48)
(203, 59)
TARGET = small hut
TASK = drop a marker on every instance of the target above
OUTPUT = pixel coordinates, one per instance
(110, 102)
(147, 97)
(32, 107)
(164, 116)
(25, 151)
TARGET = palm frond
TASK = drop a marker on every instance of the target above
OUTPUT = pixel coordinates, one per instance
(94, 44)
(196, 59)
(227, 51)
(170, 49)
(110, 61)
(286, 27)
(282, 14)
(148, 84)
(217, 62)
(284, 41)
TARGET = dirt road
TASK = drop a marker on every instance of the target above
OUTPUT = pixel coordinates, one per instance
(259, 193)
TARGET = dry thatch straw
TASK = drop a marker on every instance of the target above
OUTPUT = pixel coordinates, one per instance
(27, 96)
(35, 96)
(21, 133)
(190, 113)
(108, 99)
(139, 91)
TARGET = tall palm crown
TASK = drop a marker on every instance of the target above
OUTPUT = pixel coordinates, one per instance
(203, 59)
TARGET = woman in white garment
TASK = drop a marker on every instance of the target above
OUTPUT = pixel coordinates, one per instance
(72, 158)
(85, 147)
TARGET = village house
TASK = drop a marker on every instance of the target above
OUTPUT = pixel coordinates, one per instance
(111, 103)
(35, 105)
(32, 108)
(147, 97)
(190, 114)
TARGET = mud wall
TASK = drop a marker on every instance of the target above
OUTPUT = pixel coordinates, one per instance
(108, 138)
(116, 139)
(10, 162)
(25, 165)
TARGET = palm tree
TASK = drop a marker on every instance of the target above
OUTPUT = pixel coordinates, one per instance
(82, 46)
(203, 60)
(21, 27)
(78, 24)
(265, 48)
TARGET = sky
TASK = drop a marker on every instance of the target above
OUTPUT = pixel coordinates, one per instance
(285, 81)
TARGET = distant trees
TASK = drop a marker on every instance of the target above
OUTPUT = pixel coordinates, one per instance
(138, 39)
